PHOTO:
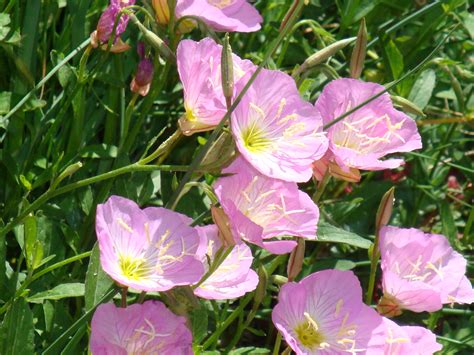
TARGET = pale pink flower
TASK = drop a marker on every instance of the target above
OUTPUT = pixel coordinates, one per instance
(222, 15)
(234, 277)
(261, 208)
(421, 272)
(148, 328)
(404, 340)
(199, 68)
(153, 249)
(324, 314)
(371, 132)
(276, 131)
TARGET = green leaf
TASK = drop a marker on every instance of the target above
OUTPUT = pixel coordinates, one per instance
(97, 283)
(199, 321)
(329, 233)
(249, 350)
(99, 151)
(17, 331)
(395, 59)
(59, 292)
(448, 224)
(422, 90)
(5, 99)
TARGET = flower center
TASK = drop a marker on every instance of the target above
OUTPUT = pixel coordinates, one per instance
(133, 268)
(308, 333)
(254, 139)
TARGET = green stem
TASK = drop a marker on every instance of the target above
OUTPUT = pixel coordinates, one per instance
(276, 348)
(321, 187)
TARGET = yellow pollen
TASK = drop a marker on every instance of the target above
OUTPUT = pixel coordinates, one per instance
(124, 225)
(133, 268)
(254, 139)
(308, 333)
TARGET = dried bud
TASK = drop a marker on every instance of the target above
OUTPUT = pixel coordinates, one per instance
(227, 71)
(144, 74)
(388, 306)
(359, 51)
(222, 222)
(384, 211)
(322, 55)
(351, 175)
(295, 263)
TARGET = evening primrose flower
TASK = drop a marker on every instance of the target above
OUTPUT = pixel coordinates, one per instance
(324, 314)
(276, 131)
(148, 328)
(421, 272)
(149, 250)
(368, 134)
(199, 68)
(234, 277)
(260, 208)
(220, 15)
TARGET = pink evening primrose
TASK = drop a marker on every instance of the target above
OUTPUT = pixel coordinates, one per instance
(148, 328)
(276, 131)
(324, 314)
(222, 15)
(234, 277)
(153, 249)
(199, 68)
(421, 272)
(368, 134)
(260, 208)
(403, 340)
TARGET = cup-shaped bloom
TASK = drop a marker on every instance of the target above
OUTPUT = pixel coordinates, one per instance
(324, 314)
(276, 131)
(222, 15)
(421, 272)
(400, 340)
(261, 208)
(148, 328)
(199, 68)
(371, 132)
(234, 277)
(153, 249)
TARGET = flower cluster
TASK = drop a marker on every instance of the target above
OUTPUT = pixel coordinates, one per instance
(280, 140)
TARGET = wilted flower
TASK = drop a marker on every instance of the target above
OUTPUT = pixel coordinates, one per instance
(276, 131)
(148, 328)
(402, 340)
(234, 277)
(324, 314)
(221, 15)
(153, 249)
(144, 75)
(199, 67)
(368, 134)
(261, 208)
(421, 272)
(106, 23)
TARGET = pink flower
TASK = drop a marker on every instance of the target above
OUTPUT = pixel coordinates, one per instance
(368, 134)
(149, 250)
(261, 208)
(148, 328)
(421, 272)
(408, 339)
(234, 277)
(324, 314)
(199, 67)
(276, 131)
(144, 75)
(106, 22)
(222, 15)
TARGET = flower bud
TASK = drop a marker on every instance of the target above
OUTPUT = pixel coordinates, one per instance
(388, 306)
(350, 175)
(261, 290)
(227, 71)
(295, 263)
(162, 11)
(359, 51)
(222, 221)
(221, 153)
(384, 212)
(407, 105)
(144, 75)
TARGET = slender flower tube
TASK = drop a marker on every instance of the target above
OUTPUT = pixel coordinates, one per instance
(148, 328)
(199, 68)
(153, 249)
(368, 134)
(276, 131)
(260, 208)
(234, 277)
(421, 272)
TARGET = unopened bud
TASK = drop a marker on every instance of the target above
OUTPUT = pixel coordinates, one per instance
(388, 306)
(222, 222)
(227, 71)
(320, 167)
(407, 105)
(350, 175)
(359, 51)
(384, 211)
(261, 290)
(71, 169)
(144, 74)
(162, 11)
(295, 263)
(323, 54)
(221, 153)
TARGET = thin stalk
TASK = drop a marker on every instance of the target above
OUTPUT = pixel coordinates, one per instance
(276, 348)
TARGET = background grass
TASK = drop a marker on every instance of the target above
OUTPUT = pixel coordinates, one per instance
(80, 115)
